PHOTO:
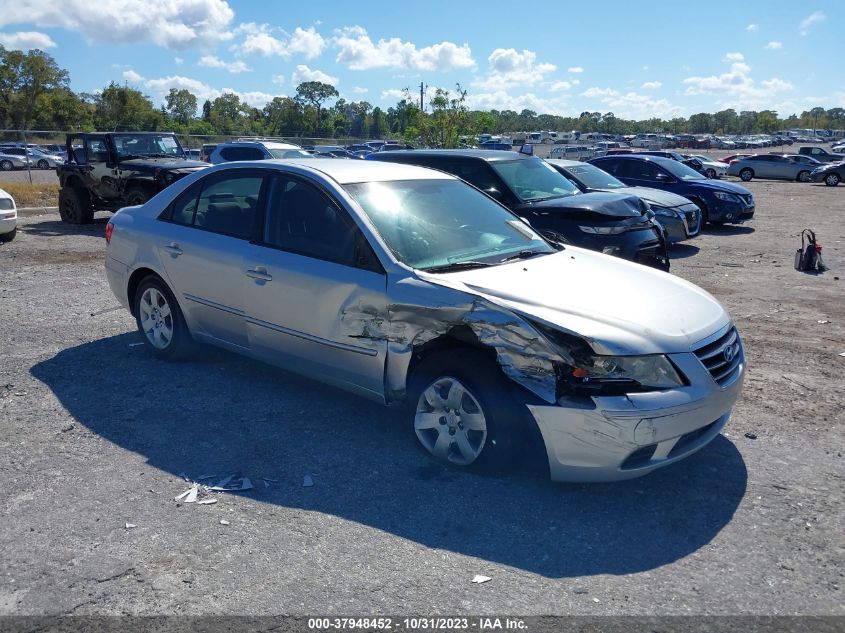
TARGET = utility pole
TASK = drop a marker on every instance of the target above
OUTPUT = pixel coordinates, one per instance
(422, 96)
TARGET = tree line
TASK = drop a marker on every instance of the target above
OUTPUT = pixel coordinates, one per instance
(35, 94)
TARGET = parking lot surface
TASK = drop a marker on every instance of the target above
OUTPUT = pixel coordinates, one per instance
(97, 435)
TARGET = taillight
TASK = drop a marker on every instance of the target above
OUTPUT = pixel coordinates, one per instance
(109, 229)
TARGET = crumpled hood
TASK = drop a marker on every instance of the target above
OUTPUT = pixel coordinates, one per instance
(153, 164)
(655, 197)
(613, 205)
(619, 307)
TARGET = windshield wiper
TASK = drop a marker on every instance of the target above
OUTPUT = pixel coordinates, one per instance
(523, 255)
(445, 268)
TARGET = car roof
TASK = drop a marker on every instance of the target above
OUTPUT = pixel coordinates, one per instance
(267, 144)
(347, 171)
(660, 160)
(490, 155)
(562, 162)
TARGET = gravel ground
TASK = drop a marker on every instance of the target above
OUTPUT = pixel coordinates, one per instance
(95, 435)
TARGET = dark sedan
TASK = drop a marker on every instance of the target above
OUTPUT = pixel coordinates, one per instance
(611, 223)
(830, 174)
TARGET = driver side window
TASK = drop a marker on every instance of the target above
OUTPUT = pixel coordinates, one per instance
(97, 151)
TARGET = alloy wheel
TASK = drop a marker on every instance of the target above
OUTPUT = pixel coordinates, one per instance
(156, 318)
(450, 423)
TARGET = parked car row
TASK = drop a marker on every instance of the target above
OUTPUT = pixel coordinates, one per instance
(18, 156)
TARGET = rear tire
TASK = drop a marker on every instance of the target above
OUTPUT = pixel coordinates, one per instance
(43, 164)
(746, 175)
(136, 196)
(831, 180)
(8, 237)
(160, 320)
(75, 206)
(6, 165)
(710, 173)
(803, 176)
(464, 414)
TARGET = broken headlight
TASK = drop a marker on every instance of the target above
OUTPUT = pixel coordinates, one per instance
(607, 375)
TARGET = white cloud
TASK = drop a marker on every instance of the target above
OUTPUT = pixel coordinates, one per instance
(177, 24)
(561, 86)
(814, 18)
(503, 100)
(255, 98)
(510, 68)
(359, 90)
(651, 85)
(131, 76)
(574, 69)
(159, 88)
(632, 105)
(278, 79)
(774, 45)
(260, 40)
(733, 57)
(751, 28)
(178, 61)
(26, 40)
(738, 88)
(210, 61)
(359, 52)
(393, 93)
(303, 73)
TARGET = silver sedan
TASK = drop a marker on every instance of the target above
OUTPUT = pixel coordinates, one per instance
(406, 285)
(769, 166)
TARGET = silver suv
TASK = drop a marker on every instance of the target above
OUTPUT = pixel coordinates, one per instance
(255, 150)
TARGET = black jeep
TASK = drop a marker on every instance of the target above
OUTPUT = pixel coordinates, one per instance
(118, 169)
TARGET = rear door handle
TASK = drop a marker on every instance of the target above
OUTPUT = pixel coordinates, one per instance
(173, 249)
(259, 273)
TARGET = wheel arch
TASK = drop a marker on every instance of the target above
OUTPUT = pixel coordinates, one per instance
(135, 279)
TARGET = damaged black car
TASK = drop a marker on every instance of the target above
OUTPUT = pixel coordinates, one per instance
(614, 224)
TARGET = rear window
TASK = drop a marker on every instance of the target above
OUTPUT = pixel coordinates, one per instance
(6, 204)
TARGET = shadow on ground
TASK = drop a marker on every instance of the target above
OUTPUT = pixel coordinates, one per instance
(682, 251)
(223, 414)
(728, 229)
(51, 228)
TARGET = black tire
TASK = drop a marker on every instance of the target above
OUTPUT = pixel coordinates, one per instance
(746, 174)
(136, 196)
(803, 176)
(75, 206)
(180, 343)
(8, 237)
(832, 179)
(705, 215)
(6, 165)
(508, 422)
(710, 172)
(43, 164)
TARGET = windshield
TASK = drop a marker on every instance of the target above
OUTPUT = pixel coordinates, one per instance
(681, 171)
(594, 178)
(147, 145)
(534, 179)
(434, 223)
(290, 153)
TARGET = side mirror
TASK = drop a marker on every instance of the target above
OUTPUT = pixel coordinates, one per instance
(661, 177)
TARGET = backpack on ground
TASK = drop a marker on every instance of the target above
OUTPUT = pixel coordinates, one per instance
(809, 256)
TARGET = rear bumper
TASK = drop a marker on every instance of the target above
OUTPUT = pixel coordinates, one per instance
(7, 225)
(116, 276)
(623, 437)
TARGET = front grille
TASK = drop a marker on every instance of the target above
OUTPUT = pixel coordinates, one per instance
(692, 215)
(688, 440)
(723, 357)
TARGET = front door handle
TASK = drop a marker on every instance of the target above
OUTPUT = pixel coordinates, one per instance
(173, 249)
(259, 273)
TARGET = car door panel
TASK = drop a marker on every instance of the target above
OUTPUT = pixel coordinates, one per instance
(305, 297)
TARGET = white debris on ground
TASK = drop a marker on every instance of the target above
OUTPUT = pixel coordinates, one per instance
(479, 579)
(129, 526)
(203, 486)
(224, 522)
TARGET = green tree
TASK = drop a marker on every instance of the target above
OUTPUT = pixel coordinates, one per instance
(316, 93)
(24, 77)
(181, 105)
(124, 108)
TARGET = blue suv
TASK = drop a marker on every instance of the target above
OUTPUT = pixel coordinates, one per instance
(719, 201)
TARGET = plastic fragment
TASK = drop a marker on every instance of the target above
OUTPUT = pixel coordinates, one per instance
(206, 502)
(307, 481)
(479, 579)
(183, 495)
(129, 526)
(224, 522)
(192, 495)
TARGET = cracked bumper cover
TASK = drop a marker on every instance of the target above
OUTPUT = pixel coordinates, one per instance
(593, 439)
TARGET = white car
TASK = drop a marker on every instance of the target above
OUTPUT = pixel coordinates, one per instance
(254, 150)
(8, 217)
(8, 162)
(408, 286)
(711, 167)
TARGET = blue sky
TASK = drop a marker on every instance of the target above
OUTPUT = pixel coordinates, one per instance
(666, 59)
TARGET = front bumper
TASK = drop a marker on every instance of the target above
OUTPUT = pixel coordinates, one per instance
(732, 212)
(684, 225)
(621, 437)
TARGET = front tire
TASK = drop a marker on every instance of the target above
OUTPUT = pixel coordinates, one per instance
(803, 176)
(160, 320)
(43, 164)
(464, 413)
(6, 165)
(710, 173)
(8, 237)
(136, 196)
(75, 206)
(831, 180)
(746, 175)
